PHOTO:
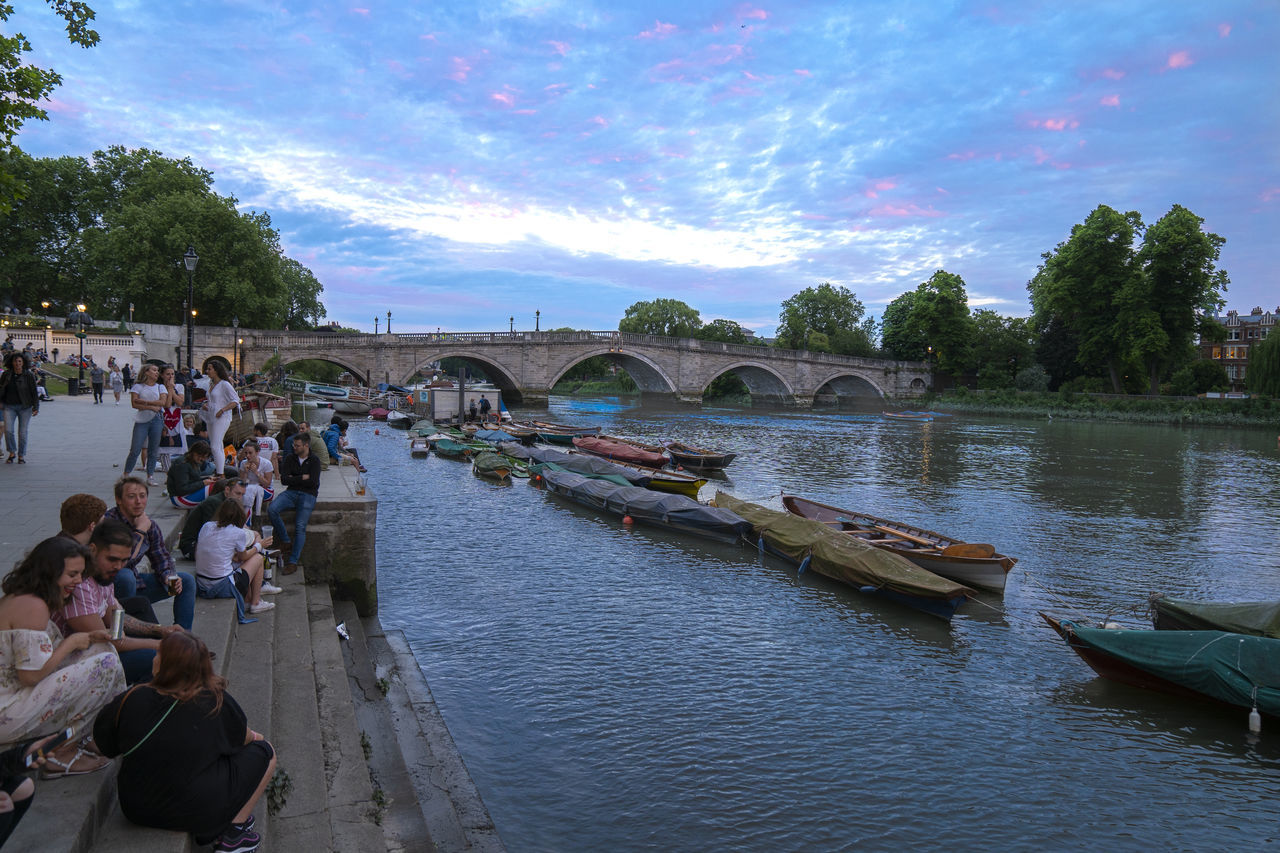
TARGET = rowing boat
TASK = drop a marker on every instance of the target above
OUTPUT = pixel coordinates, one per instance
(969, 563)
(697, 458)
(1257, 618)
(419, 446)
(492, 466)
(666, 480)
(1235, 669)
(813, 545)
(624, 450)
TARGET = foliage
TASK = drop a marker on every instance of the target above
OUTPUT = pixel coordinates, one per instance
(316, 370)
(1000, 346)
(23, 87)
(1033, 378)
(899, 339)
(669, 317)
(835, 312)
(1263, 375)
(1256, 411)
(110, 232)
(1199, 377)
(725, 331)
(726, 385)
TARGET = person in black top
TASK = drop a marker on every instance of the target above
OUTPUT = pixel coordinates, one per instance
(189, 761)
(21, 402)
(300, 471)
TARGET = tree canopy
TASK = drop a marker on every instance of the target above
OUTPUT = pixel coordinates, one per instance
(931, 321)
(669, 317)
(1263, 375)
(835, 312)
(23, 87)
(725, 331)
(110, 232)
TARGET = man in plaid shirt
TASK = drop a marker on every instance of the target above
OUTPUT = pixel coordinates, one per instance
(163, 580)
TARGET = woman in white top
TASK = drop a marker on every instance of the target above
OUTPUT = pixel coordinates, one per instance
(173, 439)
(222, 401)
(258, 473)
(228, 554)
(117, 382)
(146, 400)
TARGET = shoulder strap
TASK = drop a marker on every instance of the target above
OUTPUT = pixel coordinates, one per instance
(150, 733)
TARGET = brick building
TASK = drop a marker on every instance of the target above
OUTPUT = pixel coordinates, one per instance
(1242, 333)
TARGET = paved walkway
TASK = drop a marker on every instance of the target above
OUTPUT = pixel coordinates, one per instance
(75, 446)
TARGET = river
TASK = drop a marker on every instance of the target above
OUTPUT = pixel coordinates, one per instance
(625, 689)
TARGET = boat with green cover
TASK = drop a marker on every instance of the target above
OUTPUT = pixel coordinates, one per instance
(492, 466)
(813, 545)
(1235, 669)
(1258, 618)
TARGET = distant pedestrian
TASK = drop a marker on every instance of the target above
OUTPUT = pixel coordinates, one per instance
(96, 377)
(21, 402)
(148, 423)
(485, 406)
(219, 406)
(117, 382)
(127, 373)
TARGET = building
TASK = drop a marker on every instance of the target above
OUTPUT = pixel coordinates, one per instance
(1242, 333)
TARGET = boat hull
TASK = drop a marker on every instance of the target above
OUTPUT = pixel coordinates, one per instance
(696, 459)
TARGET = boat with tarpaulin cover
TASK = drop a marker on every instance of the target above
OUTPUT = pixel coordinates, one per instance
(1258, 618)
(611, 447)
(813, 545)
(1233, 669)
(697, 458)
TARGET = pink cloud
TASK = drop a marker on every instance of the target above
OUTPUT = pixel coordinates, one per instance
(504, 98)
(1110, 101)
(804, 72)
(599, 121)
(1113, 74)
(560, 47)
(460, 69)
(524, 112)
(962, 155)
(941, 190)
(555, 87)
(303, 37)
(755, 14)
(359, 11)
(1271, 194)
(659, 31)
(817, 216)
(1181, 59)
(1224, 30)
(878, 187)
(1056, 124)
(905, 210)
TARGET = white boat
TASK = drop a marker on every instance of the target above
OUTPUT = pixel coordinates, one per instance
(348, 401)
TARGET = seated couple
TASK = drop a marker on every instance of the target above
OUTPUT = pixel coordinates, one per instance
(230, 561)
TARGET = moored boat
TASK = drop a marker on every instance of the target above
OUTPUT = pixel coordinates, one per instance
(697, 458)
(378, 413)
(1234, 669)
(491, 466)
(419, 447)
(811, 544)
(970, 563)
(1257, 618)
(399, 420)
(666, 480)
(908, 416)
(623, 450)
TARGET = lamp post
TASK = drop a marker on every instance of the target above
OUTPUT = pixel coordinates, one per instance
(235, 356)
(131, 312)
(79, 318)
(239, 341)
(537, 320)
(511, 325)
(388, 322)
(189, 260)
(376, 320)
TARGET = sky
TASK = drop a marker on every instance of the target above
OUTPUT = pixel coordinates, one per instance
(467, 164)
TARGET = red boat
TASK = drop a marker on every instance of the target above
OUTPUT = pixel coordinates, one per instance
(610, 447)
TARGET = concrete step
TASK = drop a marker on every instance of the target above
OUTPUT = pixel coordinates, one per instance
(315, 735)
(403, 825)
(455, 816)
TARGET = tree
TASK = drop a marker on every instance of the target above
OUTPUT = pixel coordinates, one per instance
(1263, 375)
(1199, 377)
(669, 317)
(899, 339)
(23, 87)
(725, 331)
(940, 315)
(1001, 346)
(828, 310)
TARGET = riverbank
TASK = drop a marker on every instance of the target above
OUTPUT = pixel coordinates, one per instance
(369, 762)
(1175, 411)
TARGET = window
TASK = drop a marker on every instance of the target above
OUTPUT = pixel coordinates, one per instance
(1233, 335)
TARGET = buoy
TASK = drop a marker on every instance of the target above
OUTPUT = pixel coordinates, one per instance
(1255, 720)
(376, 431)
(626, 519)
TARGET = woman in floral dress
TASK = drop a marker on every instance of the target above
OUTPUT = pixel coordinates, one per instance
(48, 683)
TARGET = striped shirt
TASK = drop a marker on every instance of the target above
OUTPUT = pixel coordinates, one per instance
(87, 599)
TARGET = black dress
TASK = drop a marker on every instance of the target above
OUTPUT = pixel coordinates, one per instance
(194, 773)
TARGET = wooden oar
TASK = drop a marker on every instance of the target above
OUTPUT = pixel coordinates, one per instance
(969, 549)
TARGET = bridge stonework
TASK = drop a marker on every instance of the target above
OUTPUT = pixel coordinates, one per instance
(526, 365)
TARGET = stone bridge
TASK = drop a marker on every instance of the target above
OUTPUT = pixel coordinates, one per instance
(526, 365)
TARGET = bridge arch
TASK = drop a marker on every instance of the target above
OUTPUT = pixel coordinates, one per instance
(847, 385)
(495, 370)
(765, 384)
(286, 360)
(649, 376)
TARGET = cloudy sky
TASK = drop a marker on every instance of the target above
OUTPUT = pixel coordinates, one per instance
(460, 163)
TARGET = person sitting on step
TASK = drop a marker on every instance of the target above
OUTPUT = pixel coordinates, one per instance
(163, 580)
(204, 511)
(230, 561)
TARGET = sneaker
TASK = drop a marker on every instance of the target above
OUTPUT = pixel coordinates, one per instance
(238, 839)
(271, 589)
(262, 607)
(290, 568)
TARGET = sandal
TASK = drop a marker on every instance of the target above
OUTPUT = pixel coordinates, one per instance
(89, 761)
(9, 461)
(21, 461)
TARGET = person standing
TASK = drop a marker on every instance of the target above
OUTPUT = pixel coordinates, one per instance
(301, 473)
(148, 423)
(21, 402)
(117, 382)
(221, 403)
(96, 377)
(127, 374)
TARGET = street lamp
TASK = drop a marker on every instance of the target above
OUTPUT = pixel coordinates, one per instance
(239, 341)
(131, 312)
(511, 323)
(235, 357)
(45, 306)
(388, 322)
(537, 320)
(189, 260)
(376, 320)
(79, 318)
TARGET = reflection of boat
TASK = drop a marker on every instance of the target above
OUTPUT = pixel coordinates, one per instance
(1235, 669)
(968, 562)
(1258, 618)
(674, 512)
(909, 416)
(812, 544)
(399, 420)
(621, 449)
(696, 458)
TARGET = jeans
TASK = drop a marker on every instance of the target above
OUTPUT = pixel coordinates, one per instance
(97, 392)
(137, 664)
(149, 434)
(302, 503)
(22, 415)
(130, 583)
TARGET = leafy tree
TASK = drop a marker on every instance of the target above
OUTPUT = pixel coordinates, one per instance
(669, 317)
(1055, 349)
(1033, 378)
(725, 331)
(830, 311)
(1199, 377)
(23, 87)
(940, 315)
(1001, 347)
(1263, 375)
(899, 339)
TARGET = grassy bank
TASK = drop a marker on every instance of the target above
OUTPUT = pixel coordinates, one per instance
(1255, 411)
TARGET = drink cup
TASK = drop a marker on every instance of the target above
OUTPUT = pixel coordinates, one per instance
(117, 624)
(172, 583)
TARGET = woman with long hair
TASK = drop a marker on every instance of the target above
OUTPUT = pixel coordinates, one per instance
(148, 423)
(173, 436)
(187, 482)
(21, 402)
(189, 761)
(48, 682)
(117, 382)
(222, 401)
